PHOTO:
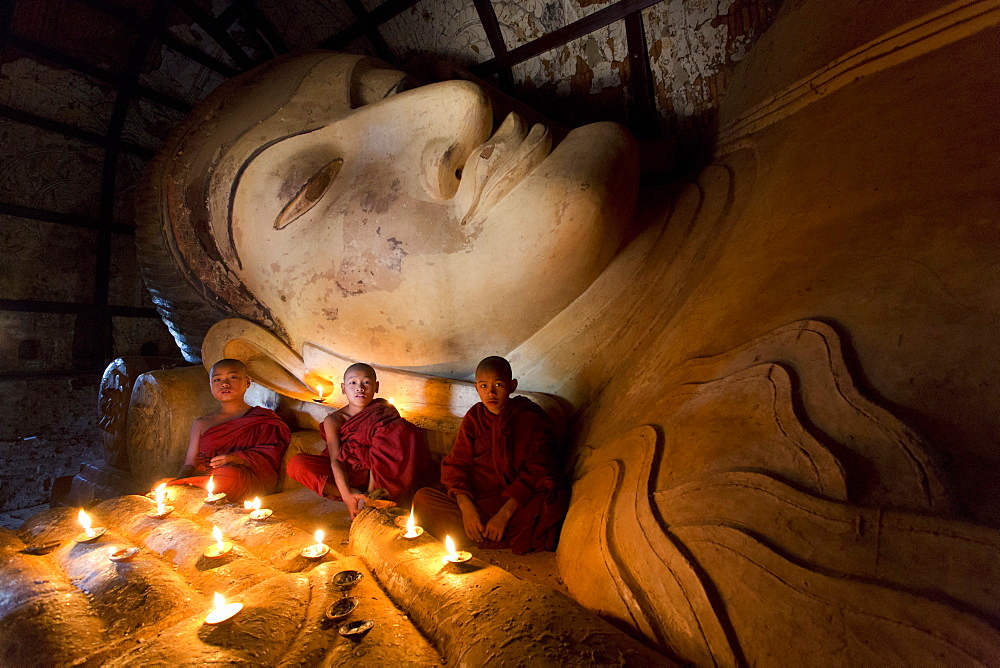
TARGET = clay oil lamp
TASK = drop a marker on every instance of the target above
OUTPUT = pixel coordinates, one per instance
(342, 609)
(356, 630)
(222, 610)
(88, 534)
(320, 399)
(161, 510)
(317, 549)
(119, 555)
(210, 487)
(259, 513)
(219, 547)
(453, 557)
(347, 580)
(412, 530)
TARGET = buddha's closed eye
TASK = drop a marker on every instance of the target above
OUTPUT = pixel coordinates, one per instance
(309, 194)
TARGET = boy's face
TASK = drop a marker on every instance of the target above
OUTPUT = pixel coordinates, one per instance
(494, 390)
(359, 387)
(228, 382)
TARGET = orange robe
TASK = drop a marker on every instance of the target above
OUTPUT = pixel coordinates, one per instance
(376, 442)
(495, 458)
(259, 438)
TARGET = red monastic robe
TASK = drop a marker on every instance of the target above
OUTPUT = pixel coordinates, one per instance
(377, 442)
(259, 438)
(500, 457)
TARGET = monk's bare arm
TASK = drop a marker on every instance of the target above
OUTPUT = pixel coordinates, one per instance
(191, 458)
(331, 427)
(471, 520)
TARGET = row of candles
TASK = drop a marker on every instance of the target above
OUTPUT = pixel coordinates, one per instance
(222, 610)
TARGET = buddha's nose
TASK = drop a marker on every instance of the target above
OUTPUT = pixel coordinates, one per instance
(465, 119)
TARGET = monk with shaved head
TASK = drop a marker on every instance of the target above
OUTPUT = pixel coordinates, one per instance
(501, 478)
(240, 446)
(368, 446)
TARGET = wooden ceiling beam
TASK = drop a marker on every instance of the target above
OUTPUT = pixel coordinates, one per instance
(641, 99)
(71, 220)
(68, 130)
(261, 22)
(130, 18)
(387, 11)
(564, 35)
(56, 57)
(221, 36)
(491, 26)
(378, 42)
(75, 308)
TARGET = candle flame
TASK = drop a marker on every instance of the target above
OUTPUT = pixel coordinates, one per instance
(390, 400)
(319, 535)
(85, 523)
(210, 486)
(411, 526)
(449, 545)
(161, 492)
(319, 388)
(219, 600)
(217, 535)
(248, 505)
(256, 503)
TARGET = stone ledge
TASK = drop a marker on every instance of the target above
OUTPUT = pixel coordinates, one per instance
(478, 614)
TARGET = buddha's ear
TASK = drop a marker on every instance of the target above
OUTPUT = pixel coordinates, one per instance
(269, 360)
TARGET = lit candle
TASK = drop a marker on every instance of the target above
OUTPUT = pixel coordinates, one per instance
(258, 513)
(453, 556)
(248, 505)
(161, 492)
(318, 549)
(219, 547)
(162, 510)
(217, 535)
(85, 523)
(210, 487)
(222, 610)
(412, 530)
(88, 534)
(319, 399)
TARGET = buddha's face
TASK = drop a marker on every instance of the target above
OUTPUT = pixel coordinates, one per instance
(407, 232)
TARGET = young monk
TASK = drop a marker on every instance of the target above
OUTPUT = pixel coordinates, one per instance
(241, 446)
(501, 477)
(368, 446)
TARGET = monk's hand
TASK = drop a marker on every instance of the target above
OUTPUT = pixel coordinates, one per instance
(222, 460)
(471, 521)
(355, 501)
(497, 525)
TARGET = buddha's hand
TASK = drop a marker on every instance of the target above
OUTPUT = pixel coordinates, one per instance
(471, 521)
